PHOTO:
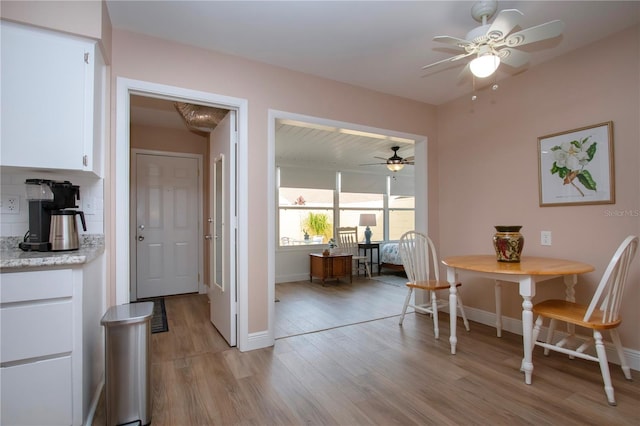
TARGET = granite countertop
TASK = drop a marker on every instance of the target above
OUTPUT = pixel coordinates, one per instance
(13, 258)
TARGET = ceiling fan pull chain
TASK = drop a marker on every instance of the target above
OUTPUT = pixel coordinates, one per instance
(473, 83)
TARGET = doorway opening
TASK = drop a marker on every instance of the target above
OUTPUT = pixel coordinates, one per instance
(300, 257)
(121, 172)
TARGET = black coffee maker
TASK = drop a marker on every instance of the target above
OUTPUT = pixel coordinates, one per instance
(44, 197)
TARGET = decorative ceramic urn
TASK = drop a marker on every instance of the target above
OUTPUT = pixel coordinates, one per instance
(508, 243)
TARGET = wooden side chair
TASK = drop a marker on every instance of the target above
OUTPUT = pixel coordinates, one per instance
(348, 244)
(420, 262)
(603, 313)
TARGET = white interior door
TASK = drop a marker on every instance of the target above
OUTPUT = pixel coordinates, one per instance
(222, 292)
(166, 225)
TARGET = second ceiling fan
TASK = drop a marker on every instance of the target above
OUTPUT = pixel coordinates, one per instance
(395, 162)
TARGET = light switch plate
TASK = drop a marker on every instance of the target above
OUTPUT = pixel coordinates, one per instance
(545, 238)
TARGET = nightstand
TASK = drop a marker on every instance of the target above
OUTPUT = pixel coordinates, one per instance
(369, 248)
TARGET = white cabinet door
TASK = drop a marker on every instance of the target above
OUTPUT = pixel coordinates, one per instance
(36, 330)
(47, 99)
(38, 393)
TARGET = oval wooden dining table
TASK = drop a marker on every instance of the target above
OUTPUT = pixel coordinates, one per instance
(526, 273)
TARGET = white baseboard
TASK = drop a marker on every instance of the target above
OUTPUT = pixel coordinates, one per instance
(259, 340)
(515, 326)
(288, 278)
(94, 403)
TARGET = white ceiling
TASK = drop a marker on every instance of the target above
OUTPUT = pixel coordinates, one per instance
(379, 45)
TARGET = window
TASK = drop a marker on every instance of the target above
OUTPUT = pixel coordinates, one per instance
(305, 211)
(316, 202)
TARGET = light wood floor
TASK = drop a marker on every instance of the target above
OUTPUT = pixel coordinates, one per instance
(371, 373)
(305, 306)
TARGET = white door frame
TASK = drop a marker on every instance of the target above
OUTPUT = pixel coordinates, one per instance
(420, 177)
(132, 217)
(124, 89)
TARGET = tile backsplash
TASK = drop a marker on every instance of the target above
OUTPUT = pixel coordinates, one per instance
(12, 186)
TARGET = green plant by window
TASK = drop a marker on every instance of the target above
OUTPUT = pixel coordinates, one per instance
(318, 224)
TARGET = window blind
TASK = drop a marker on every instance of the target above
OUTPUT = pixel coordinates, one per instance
(363, 183)
(402, 185)
(299, 177)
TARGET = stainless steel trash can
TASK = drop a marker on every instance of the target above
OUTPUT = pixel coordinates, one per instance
(128, 366)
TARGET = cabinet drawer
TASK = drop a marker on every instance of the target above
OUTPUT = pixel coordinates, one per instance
(36, 285)
(38, 393)
(35, 330)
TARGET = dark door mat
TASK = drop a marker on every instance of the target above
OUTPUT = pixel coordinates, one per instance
(159, 319)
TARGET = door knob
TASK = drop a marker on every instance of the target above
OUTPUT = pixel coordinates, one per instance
(140, 238)
(207, 237)
(141, 227)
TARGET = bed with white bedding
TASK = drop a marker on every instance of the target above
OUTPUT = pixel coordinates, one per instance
(390, 256)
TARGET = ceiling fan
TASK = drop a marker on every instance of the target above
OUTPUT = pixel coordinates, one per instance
(492, 44)
(395, 162)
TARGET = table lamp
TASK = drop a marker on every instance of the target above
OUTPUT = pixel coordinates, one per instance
(367, 220)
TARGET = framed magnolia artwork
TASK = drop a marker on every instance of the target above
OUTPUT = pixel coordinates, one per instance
(576, 166)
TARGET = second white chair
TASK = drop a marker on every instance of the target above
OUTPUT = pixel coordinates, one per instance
(420, 262)
(348, 244)
(603, 313)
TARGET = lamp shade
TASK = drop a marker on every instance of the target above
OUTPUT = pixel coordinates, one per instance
(367, 219)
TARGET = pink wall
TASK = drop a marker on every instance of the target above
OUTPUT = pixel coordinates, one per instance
(265, 87)
(488, 169)
(173, 140)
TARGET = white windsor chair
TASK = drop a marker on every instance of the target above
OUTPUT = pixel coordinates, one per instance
(420, 262)
(603, 313)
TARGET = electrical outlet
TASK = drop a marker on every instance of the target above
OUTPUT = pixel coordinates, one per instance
(10, 204)
(89, 205)
(545, 238)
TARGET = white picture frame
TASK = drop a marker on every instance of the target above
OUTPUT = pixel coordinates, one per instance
(576, 167)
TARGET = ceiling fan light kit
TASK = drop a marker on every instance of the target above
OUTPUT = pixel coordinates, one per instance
(394, 163)
(484, 65)
(493, 44)
(394, 167)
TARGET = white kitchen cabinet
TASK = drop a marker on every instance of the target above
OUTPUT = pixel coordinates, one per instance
(40, 351)
(37, 393)
(52, 100)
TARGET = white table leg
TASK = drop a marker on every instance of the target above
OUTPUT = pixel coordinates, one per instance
(452, 278)
(498, 290)
(527, 291)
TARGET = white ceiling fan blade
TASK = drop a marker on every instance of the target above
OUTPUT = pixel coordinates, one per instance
(512, 57)
(410, 159)
(444, 61)
(458, 42)
(504, 23)
(464, 74)
(538, 33)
